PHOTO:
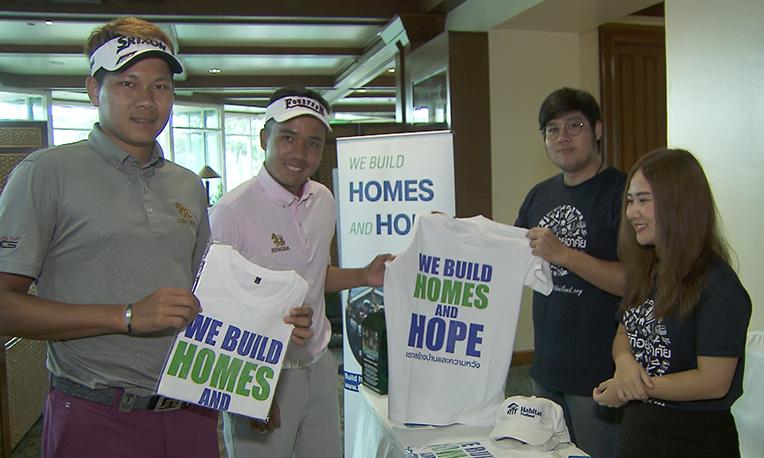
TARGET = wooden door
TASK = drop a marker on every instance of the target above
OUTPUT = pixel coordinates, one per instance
(633, 91)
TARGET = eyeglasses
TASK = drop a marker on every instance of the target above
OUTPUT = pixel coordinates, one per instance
(572, 128)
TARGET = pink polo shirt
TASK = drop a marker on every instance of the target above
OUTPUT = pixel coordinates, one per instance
(277, 230)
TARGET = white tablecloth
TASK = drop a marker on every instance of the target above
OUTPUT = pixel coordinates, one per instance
(378, 437)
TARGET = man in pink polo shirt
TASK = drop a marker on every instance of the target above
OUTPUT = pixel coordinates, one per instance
(282, 220)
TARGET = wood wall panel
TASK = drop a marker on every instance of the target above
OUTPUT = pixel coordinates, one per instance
(470, 121)
(633, 82)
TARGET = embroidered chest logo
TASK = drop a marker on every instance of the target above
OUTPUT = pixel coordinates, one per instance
(184, 215)
(278, 243)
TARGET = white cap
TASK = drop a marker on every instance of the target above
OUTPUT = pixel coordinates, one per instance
(291, 106)
(118, 52)
(535, 421)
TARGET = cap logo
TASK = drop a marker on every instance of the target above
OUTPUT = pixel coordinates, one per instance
(306, 102)
(125, 57)
(125, 42)
(530, 412)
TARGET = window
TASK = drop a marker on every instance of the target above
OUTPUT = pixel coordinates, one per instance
(196, 141)
(72, 121)
(243, 155)
(227, 139)
(430, 97)
(22, 107)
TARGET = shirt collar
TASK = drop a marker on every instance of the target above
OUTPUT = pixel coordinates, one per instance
(279, 194)
(113, 154)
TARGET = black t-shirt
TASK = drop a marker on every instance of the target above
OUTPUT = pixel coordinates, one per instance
(575, 325)
(716, 328)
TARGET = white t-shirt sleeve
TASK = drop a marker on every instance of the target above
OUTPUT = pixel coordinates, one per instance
(539, 276)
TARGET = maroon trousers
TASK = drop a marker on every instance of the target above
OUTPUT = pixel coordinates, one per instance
(74, 427)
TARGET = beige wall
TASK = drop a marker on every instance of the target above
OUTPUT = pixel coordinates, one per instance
(715, 69)
(525, 67)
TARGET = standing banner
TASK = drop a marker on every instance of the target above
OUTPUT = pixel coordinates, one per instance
(383, 181)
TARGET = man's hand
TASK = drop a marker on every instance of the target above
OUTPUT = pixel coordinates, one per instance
(547, 246)
(165, 308)
(374, 273)
(273, 422)
(302, 319)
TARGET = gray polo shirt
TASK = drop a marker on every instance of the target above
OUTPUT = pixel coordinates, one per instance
(92, 226)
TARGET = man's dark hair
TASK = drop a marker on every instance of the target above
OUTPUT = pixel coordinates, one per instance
(296, 91)
(568, 99)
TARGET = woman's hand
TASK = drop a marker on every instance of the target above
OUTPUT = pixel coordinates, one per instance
(605, 394)
(630, 381)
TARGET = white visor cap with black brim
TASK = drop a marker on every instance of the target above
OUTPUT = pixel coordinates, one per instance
(120, 51)
(292, 106)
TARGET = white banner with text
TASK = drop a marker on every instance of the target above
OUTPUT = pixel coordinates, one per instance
(383, 181)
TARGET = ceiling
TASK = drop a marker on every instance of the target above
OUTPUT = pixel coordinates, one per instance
(345, 49)
(233, 52)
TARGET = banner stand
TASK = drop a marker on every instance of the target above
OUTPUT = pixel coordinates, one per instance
(382, 183)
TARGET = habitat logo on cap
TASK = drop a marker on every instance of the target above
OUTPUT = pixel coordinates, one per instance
(118, 52)
(534, 421)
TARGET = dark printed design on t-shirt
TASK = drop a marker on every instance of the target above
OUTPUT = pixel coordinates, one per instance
(648, 339)
(568, 224)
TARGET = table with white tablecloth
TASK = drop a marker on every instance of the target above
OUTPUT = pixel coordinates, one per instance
(379, 437)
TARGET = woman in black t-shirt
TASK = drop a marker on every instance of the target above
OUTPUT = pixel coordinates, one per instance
(680, 345)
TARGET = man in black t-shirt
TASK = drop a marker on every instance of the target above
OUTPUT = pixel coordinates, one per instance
(573, 220)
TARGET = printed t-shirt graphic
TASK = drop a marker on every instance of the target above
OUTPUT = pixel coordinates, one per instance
(452, 300)
(230, 357)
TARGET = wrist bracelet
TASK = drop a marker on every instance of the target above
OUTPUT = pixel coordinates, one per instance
(129, 318)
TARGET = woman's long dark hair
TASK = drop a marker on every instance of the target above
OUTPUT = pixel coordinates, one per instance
(687, 236)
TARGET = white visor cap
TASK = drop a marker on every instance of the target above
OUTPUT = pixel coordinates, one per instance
(118, 52)
(292, 106)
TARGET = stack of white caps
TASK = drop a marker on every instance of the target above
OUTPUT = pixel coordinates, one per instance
(538, 422)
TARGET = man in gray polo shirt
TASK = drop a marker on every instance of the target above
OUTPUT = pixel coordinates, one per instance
(112, 234)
